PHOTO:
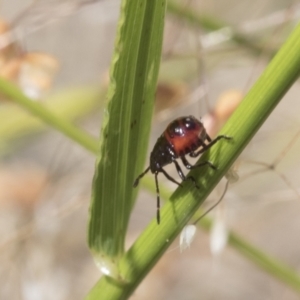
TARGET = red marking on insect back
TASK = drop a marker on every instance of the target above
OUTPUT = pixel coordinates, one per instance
(185, 134)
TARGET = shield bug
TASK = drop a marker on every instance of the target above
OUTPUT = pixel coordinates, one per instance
(184, 135)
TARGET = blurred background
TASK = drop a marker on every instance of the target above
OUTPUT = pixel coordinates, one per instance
(58, 52)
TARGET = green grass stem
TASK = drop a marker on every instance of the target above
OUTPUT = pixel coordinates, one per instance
(275, 81)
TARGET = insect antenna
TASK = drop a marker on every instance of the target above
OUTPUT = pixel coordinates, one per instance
(136, 182)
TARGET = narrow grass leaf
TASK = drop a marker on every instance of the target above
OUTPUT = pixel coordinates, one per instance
(126, 127)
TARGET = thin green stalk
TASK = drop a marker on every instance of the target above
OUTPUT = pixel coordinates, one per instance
(10, 91)
(264, 261)
(210, 23)
(70, 104)
(244, 123)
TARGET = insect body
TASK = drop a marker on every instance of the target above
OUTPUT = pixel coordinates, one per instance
(183, 136)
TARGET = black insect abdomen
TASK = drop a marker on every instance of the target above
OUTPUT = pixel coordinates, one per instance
(161, 155)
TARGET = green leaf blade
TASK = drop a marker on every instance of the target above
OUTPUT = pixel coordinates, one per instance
(125, 133)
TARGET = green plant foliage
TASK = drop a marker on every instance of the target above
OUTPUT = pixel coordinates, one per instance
(126, 127)
(124, 143)
(247, 119)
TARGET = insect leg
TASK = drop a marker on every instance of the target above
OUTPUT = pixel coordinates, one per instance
(179, 171)
(206, 147)
(208, 138)
(189, 166)
(136, 182)
(158, 199)
(169, 177)
(182, 176)
(157, 191)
